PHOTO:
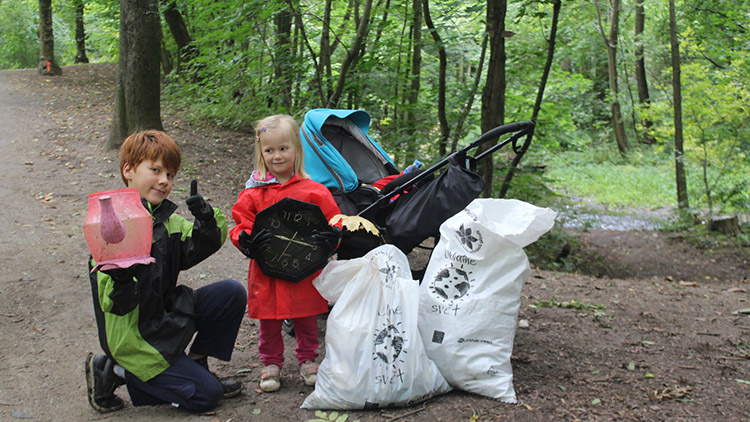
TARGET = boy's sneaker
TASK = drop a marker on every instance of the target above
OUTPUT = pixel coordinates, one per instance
(270, 378)
(231, 386)
(309, 372)
(101, 383)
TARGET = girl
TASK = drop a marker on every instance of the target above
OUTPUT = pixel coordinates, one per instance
(279, 174)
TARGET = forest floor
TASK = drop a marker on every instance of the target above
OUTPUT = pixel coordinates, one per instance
(658, 330)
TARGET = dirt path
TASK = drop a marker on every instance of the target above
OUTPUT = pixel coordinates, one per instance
(662, 344)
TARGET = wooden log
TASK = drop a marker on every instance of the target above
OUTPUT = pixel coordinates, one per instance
(727, 224)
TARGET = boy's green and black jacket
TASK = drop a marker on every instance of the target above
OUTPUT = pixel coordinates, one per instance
(145, 324)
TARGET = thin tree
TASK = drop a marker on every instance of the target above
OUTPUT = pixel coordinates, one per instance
(352, 54)
(679, 153)
(138, 95)
(186, 48)
(283, 68)
(557, 5)
(80, 33)
(640, 69)
(470, 96)
(445, 130)
(414, 77)
(493, 95)
(610, 41)
(47, 63)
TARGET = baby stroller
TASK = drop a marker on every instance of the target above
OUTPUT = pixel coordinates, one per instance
(406, 208)
(410, 207)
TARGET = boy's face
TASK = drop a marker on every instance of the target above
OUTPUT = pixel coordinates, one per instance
(153, 181)
(278, 155)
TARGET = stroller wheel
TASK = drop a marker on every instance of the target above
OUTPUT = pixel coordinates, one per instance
(288, 327)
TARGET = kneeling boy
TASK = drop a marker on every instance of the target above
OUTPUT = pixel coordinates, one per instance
(145, 320)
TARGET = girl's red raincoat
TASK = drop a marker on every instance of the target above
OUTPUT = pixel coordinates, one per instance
(271, 298)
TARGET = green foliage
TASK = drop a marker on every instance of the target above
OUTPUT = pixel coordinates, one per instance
(548, 252)
(332, 417)
(568, 304)
(243, 72)
(19, 24)
(102, 25)
(19, 43)
(716, 132)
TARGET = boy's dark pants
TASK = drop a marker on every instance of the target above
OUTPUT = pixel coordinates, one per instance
(220, 308)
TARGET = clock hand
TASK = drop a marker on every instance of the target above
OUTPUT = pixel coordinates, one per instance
(287, 246)
(293, 240)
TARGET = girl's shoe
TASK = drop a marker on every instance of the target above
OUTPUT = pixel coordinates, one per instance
(309, 372)
(269, 378)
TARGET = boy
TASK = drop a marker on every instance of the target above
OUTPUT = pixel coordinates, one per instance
(145, 320)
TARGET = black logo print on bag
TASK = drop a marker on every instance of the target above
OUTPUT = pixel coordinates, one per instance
(451, 286)
(390, 343)
(470, 239)
(386, 267)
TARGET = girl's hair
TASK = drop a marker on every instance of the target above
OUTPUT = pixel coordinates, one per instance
(150, 145)
(286, 126)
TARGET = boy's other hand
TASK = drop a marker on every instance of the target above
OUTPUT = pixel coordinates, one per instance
(252, 245)
(197, 205)
(122, 275)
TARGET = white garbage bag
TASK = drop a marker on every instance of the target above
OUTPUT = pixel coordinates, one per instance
(471, 292)
(374, 354)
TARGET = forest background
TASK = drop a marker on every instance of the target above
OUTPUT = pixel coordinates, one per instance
(638, 103)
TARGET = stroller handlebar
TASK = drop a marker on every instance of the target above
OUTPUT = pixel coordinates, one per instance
(524, 127)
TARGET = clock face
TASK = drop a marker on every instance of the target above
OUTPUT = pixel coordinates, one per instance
(292, 253)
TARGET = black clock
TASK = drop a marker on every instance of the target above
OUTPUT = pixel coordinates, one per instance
(292, 254)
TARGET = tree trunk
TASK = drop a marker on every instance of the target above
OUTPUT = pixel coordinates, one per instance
(186, 50)
(283, 67)
(679, 153)
(539, 96)
(352, 54)
(445, 130)
(414, 76)
(610, 42)
(470, 97)
(47, 63)
(137, 98)
(325, 49)
(80, 34)
(323, 94)
(493, 96)
(640, 70)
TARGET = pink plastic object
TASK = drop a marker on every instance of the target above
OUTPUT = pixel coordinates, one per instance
(118, 229)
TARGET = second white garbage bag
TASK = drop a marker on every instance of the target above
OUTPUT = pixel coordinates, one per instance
(375, 356)
(471, 292)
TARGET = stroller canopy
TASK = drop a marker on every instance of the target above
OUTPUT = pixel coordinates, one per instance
(339, 153)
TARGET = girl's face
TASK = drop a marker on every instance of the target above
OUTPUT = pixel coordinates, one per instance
(278, 155)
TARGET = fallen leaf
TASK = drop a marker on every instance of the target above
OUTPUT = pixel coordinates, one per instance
(745, 311)
(354, 223)
(668, 393)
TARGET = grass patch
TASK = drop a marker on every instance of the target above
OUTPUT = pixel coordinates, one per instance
(614, 184)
